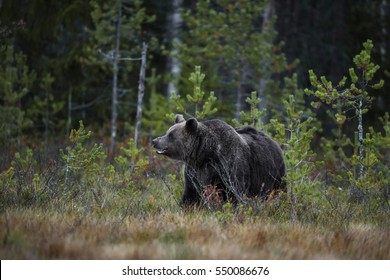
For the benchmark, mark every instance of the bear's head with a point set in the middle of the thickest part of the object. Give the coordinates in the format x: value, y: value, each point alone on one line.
x: 178, y: 140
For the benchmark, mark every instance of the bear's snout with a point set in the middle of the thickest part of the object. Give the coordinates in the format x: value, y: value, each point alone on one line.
x: 160, y: 147
x: 154, y: 142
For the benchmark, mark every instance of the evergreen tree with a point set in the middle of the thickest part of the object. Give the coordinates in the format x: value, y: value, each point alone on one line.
x: 16, y: 80
x: 363, y: 167
x: 233, y: 41
x: 353, y: 99
x: 155, y: 121
x: 45, y: 108
x: 117, y: 35
x: 197, y: 104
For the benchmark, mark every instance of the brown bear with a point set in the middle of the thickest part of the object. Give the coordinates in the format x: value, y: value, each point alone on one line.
x: 241, y: 162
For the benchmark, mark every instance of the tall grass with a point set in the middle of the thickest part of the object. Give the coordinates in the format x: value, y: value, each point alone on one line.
x: 149, y: 224
x: 175, y: 234
x: 77, y: 205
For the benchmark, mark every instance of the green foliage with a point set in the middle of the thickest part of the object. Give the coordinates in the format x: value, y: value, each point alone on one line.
x: 80, y: 162
x: 294, y: 128
x: 46, y: 106
x: 291, y: 88
x: 131, y: 165
x: 82, y: 177
x: 349, y: 102
x: 155, y: 120
x: 234, y: 43
x: 296, y: 132
x: 229, y: 213
x: 155, y: 116
x: 299, y: 133
x: 341, y: 98
x: 226, y: 213
x: 21, y: 183
x: 234, y: 47
x: 254, y: 116
x: 106, y: 15
x: 16, y: 80
x: 113, y: 49
x: 198, y: 104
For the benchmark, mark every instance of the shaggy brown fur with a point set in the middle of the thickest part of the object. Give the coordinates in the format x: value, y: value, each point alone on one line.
x: 242, y: 162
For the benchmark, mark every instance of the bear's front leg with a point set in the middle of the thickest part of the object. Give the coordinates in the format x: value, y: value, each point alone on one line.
x: 191, y: 195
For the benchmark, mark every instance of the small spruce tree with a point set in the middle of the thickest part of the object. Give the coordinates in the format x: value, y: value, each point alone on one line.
x: 16, y: 80
x: 198, y: 104
x: 348, y: 100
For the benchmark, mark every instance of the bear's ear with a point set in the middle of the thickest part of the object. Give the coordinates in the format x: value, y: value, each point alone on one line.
x: 191, y: 125
x: 179, y: 118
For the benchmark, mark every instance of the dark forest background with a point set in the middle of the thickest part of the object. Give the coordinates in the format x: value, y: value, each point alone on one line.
x: 86, y: 85
x: 55, y: 68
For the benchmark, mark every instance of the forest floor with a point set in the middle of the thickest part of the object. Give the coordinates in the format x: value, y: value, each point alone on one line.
x: 74, y: 234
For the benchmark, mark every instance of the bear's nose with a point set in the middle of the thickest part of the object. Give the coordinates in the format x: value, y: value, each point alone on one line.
x: 154, y: 142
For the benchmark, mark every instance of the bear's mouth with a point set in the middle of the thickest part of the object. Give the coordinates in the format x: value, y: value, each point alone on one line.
x: 161, y: 151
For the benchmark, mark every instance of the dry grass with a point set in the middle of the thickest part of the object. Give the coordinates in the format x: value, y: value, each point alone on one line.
x: 105, y: 213
x: 38, y: 234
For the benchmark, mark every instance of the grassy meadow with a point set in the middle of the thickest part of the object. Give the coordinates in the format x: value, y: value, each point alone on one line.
x: 72, y: 199
x: 107, y: 222
x: 49, y: 234
x: 75, y: 203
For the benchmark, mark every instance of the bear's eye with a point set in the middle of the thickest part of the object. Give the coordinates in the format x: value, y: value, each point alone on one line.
x: 170, y: 135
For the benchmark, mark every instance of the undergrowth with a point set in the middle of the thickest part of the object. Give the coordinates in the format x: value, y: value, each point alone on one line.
x: 82, y: 179
x: 76, y: 202
x: 128, y: 209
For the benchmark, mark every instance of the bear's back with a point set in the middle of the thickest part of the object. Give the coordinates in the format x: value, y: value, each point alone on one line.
x: 221, y: 131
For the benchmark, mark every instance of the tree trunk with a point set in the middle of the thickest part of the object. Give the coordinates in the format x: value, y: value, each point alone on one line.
x: 239, y: 99
x: 175, y: 22
x: 114, y: 104
x: 47, y: 108
x: 141, y: 88
x: 267, y: 16
x: 291, y: 184
x: 383, y: 43
x: 69, y: 123
x: 360, y: 137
